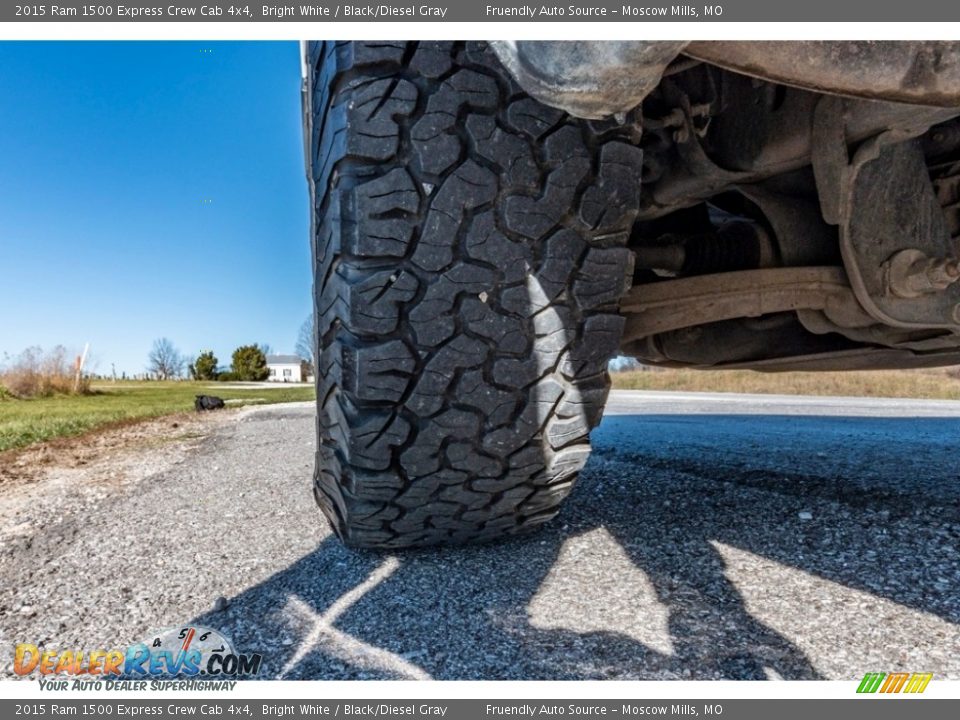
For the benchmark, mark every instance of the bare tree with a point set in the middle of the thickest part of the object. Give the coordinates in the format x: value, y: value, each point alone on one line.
x: 305, y: 345
x: 164, y: 360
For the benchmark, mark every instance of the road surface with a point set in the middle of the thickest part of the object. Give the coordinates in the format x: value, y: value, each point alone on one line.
x: 710, y: 536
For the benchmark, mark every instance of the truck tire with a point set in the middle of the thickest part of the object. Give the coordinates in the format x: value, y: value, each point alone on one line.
x: 469, y: 256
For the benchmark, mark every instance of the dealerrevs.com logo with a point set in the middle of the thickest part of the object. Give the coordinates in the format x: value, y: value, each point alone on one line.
x: 898, y: 682
x: 182, y: 651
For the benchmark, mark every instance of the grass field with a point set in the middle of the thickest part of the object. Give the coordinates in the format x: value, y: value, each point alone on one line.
x: 928, y: 384
x: 23, y: 422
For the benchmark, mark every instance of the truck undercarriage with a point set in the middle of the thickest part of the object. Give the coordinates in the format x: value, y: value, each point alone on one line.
x: 800, y: 202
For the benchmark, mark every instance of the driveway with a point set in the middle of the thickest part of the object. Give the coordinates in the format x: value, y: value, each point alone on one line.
x: 710, y: 536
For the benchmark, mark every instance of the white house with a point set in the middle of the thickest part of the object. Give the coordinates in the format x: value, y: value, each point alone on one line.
x: 284, y: 368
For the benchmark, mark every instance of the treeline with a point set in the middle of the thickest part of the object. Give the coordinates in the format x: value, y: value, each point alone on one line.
x: 248, y: 363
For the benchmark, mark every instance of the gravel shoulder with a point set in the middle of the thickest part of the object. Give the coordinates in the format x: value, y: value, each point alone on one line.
x: 68, y: 476
x: 709, y: 537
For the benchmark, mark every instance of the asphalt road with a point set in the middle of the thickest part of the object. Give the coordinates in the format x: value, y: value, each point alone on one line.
x: 710, y: 536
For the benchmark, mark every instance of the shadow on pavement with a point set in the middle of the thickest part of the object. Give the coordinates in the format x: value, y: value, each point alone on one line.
x: 631, y: 581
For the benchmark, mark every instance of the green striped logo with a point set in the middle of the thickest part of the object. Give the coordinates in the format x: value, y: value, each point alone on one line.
x: 894, y: 682
x: 871, y: 682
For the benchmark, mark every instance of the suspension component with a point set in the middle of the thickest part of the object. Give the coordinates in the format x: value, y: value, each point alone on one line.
x: 911, y: 273
x: 735, y: 245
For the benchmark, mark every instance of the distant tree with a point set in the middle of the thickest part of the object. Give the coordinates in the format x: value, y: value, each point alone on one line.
x: 265, y: 348
x: 304, y: 347
x: 249, y: 363
x: 204, y: 367
x: 164, y: 360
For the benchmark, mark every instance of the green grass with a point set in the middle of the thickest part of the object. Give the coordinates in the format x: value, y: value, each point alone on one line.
x: 24, y: 422
x: 925, y: 384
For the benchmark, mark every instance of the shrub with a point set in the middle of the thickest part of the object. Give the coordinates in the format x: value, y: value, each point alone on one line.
x: 204, y: 367
x: 228, y: 377
x: 35, y: 373
x: 250, y: 363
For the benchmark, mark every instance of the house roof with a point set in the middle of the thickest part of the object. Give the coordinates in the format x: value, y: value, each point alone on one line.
x: 283, y: 360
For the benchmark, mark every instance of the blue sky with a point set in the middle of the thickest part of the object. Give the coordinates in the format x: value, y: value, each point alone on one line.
x: 148, y: 190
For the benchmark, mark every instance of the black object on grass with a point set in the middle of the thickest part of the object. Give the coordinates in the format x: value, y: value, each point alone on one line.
x: 208, y: 402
